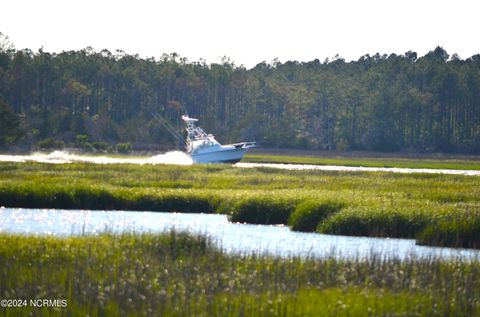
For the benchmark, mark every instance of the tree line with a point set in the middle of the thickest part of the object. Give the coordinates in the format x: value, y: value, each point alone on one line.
x: 380, y: 102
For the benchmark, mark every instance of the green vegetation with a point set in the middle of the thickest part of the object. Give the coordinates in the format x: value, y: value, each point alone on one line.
x: 51, y: 144
x: 382, y: 221
x: 175, y: 274
x: 263, y: 208
x: 9, y: 124
x: 124, y: 148
x: 403, y: 102
x: 371, y: 161
x: 460, y: 232
x: 366, y: 204
x: 310, y: 213
x: 83, y: 144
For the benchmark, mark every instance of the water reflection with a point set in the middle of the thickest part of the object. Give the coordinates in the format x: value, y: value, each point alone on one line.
x: 232, y: 237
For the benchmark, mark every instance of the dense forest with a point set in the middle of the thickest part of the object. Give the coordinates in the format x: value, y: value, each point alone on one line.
x: 386, y: 103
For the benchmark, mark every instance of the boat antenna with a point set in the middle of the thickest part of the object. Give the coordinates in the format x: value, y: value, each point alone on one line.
x: 185, y: 109
x: 169, y: 128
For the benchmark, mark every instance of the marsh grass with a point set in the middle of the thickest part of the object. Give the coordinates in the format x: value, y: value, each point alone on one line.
x: 265, y: 209
x: 177, y: 274
x: 372, y: 204
x: 380, y: 222
x: 309, y: 214
x: 454, y: 231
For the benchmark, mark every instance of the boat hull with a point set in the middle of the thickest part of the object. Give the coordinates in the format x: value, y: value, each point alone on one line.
x: 229, y: 155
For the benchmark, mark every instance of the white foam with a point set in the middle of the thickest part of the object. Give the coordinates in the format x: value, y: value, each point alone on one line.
x: 59, y: 157
x: 181, y: 158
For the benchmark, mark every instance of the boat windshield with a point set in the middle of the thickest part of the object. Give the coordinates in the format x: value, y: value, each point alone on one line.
x: 209, y: 142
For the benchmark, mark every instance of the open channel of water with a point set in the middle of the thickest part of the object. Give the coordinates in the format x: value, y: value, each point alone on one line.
x: 232, y: 237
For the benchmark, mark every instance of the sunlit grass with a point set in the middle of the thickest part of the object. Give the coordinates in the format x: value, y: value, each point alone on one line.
x: 176, y: 274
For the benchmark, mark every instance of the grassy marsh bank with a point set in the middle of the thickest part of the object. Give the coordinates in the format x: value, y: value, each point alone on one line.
x: 175, y: 274
x: 367, y: 204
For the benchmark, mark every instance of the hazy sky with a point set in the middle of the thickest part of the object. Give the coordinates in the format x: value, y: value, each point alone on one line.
x: 247, y: 31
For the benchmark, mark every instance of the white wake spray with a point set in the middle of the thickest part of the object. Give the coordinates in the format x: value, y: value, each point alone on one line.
x: 59, y: 157
x: 181, y: 158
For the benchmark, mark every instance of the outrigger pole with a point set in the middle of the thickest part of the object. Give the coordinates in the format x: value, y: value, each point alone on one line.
x: 169, y: 128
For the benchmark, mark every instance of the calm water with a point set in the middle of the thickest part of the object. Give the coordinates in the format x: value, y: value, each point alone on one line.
x: 302, y: 167
x: 232, y: 237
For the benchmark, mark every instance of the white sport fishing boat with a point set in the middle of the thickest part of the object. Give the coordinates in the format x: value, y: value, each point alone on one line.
x: 203, y: 148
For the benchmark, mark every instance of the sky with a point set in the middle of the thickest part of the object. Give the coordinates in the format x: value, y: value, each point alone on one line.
x: 246, y: 31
